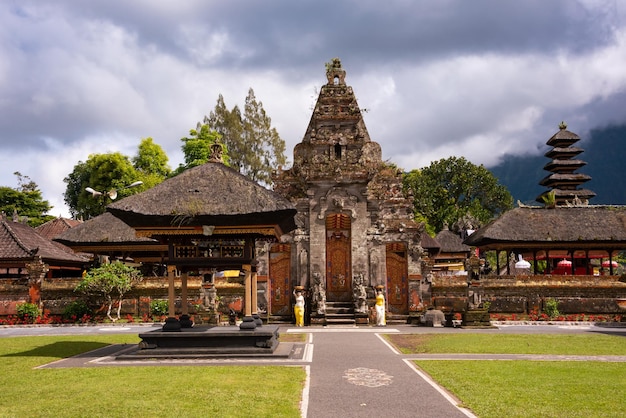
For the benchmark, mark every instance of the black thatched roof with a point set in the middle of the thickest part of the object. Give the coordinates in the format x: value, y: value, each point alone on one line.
x: 429, y: 243
x: 451, y: 242
x: 561, y: 227
x: 104, y: 228
x: 210, y: 194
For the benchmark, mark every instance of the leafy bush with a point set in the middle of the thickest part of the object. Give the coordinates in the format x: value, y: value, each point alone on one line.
x: 159, y: 307
x: 76, y: 311
x: 28, y: 312
x: 551, y: 308
x: 110, y: 282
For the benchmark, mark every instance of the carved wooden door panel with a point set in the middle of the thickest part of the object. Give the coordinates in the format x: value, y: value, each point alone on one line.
x: 338, y: 259
x: 397, y: 279
x: 280, y: 288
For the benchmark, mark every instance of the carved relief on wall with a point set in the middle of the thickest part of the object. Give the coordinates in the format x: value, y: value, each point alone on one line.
x: 337, y: 200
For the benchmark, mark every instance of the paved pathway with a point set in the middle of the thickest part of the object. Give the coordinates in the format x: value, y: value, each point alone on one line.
x: 354, y: 373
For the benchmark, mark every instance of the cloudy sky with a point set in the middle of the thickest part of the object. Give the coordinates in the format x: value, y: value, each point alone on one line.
x: 477, y: 79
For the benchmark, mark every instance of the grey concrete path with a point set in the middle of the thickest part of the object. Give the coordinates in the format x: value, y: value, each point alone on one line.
x: 354, y: 373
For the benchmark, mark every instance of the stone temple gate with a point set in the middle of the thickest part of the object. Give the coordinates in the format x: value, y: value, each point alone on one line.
x: 355, y: 227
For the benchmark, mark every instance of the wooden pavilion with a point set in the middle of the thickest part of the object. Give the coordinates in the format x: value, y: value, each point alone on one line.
x: 576, y: 234
x: 106, y: 235
x: 209, y: 217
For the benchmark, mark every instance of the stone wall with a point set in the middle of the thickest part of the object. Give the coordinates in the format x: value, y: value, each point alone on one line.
x: 57, y: 293
x: 523, y: 294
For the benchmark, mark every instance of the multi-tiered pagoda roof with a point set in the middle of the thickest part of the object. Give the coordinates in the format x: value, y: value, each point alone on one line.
x: 564, y: 181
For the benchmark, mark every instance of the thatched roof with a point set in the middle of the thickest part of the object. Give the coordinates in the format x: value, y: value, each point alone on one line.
x: 561, y: 227
x: 104, y: 228
x: 19, y: 241
x: 451, y: 242
x: 210, y: 194
x: 429, y: 243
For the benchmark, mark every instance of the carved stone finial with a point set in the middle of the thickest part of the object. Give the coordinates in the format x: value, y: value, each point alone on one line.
x: 334, y: 73
x: 216, y: 153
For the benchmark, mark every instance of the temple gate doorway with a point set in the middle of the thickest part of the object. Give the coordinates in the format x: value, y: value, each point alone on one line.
x: 397, y: 282
x: 279, y: 273
x: 338, y: 258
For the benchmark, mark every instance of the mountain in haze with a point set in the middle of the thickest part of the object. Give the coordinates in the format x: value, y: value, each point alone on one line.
x: 605, y: 154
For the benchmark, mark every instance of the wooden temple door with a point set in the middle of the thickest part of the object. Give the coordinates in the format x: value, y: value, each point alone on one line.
x: 397, y: 279
x: 338, y: 258
x: 279, y: 274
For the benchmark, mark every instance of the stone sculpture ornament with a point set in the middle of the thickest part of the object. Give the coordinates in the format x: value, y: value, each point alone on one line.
x: 298, y: 308
x: 380, y: 307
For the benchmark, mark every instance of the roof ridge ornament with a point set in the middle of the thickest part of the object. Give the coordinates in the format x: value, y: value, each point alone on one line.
x: 562, y: 125
x: 334, y: 73
x: 216, y: 153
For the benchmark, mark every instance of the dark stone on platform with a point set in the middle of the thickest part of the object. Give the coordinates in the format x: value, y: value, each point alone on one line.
x: 206, y: 341
x: 247, y: 323
x: 171, y: 324
x: 185, y: 321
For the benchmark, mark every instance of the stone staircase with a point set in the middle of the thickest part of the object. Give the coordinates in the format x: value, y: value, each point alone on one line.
x: 340, y: 313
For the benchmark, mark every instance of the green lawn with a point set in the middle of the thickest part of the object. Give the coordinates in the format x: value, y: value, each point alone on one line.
x: 566, y: 344
x: 493, y: 388
x: 182, y: 391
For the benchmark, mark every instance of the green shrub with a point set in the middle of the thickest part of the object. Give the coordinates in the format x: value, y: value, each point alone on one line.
x: 77, y: 310
x: 551, y: 308
x: 159, y: 307
x: 28, y: 312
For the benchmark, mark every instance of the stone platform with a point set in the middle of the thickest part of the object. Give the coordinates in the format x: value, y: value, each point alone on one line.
x: 206, y: 342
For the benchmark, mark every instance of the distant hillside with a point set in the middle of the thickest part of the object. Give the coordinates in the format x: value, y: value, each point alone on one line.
x: 605, y: 154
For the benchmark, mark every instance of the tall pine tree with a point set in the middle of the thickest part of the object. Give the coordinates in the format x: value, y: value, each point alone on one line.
x: 255, y: 148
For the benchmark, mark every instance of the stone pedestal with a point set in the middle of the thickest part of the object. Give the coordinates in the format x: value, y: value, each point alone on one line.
x: 206, y: 342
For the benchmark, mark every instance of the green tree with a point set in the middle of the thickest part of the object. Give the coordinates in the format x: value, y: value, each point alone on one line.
x: 453, y: 189
x: 197, y: 147
x: 151, y: 163
x: 26, y: 201
x: 151, y: 159
x: 110, y: 282
x: 101, y: 172
x: 255, y: 148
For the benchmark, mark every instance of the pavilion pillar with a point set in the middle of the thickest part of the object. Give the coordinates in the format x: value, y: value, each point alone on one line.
x: 508, y: 262
x: 610, y: 262
x: 183, y: 294
x: 248, y: 321
x: 535, y: 262
x: 185, y: 320
x: 498, y: 262
x: 171, y: 295
x: 254, y: 307
x: 171, y: 323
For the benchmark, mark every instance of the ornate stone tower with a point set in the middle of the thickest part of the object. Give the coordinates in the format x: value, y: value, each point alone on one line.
x: 563, y: 181
x: 355, y: 227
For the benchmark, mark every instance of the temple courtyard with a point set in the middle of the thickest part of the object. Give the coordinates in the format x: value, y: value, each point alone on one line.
x: 394, y: 373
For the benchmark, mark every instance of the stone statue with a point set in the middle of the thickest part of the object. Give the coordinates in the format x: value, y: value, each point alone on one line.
x: 298, y: 308
x: 319, y: 293
x: 359, y: 293
x: 380, y: 307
